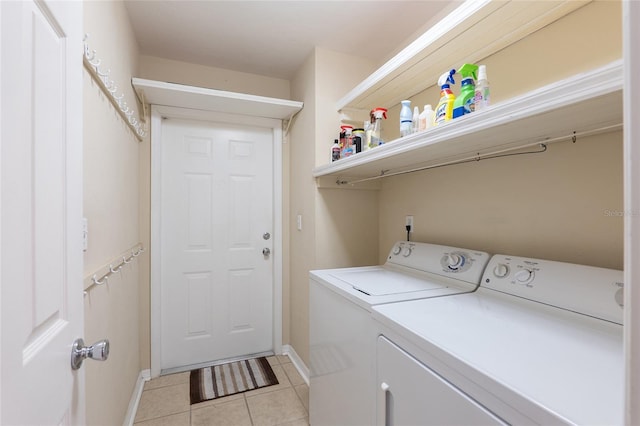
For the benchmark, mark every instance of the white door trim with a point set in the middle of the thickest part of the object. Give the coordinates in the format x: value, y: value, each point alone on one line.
x: 631, y: 43
x: 157, y: 112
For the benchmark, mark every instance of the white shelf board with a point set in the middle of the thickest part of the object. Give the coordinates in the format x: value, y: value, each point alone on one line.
x: 586, y: 103
x: 472, y: 32
x: 183, y: 96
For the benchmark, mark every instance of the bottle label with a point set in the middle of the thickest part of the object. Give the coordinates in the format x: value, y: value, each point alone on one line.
x: 441, y: 112
x: 335, y: 153
x: 406, y: 127
x: 470, y: 105
x: 481, y: 98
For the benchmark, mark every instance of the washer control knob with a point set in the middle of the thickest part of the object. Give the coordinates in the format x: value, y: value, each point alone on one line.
x: 406, y: 252
x: 619, y: 297
x: 397, y: 249
x: 454, y: 261
x: 501, y: 270
x: 524, y: 276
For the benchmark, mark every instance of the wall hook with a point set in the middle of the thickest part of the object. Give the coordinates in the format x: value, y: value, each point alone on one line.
x: 97, y: 282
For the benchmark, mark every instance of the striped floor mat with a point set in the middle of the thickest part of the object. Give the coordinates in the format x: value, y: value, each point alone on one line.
x: 230, y: 378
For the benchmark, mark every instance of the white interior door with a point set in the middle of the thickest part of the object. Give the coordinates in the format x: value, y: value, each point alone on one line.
x: 41, y: 207
x: 216, y: 220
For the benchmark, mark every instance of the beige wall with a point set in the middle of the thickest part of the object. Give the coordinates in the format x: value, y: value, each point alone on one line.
x: 552, y: 205
x: 302, y: 243
x: 344, y: 219
x: 161, y: 69
x: 323, y: 240
x: 111, y: 207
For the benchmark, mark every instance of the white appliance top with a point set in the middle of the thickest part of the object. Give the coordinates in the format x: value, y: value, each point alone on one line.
x: 412, y: 271
x: 544, y: 337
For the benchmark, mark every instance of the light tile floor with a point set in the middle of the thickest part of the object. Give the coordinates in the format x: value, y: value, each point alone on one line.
x: 165, y: 402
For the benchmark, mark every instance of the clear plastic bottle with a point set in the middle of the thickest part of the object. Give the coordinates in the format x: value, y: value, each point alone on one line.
x: 378, y: 114
x: 406, y: 118
x: 415, y: 119
x: 481, y: 96
x: 368, y: 128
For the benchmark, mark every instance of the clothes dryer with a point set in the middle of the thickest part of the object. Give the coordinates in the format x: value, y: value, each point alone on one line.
x: 539, y: 342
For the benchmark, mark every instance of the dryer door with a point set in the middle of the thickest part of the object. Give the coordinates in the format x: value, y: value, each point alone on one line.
x: 410, y: 393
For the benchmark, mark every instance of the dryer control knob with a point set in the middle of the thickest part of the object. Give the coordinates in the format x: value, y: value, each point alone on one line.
x: 397, y: 249
x: 501, y: 270
x: 455, y: 261
x: 524, y: 276
x: 407, y: 252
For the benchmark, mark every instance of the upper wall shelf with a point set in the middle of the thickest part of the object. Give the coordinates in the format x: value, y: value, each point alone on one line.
x: 179, y: 95
x: 587, y: 103
x: 472, y: 32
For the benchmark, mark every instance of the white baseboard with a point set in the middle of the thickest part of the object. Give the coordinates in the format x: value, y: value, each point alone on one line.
x: 144, y: 376
x: 297, y: 362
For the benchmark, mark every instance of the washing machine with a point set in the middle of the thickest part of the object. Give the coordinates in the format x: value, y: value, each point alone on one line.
x: 343, y: 334
x: 539, y: 342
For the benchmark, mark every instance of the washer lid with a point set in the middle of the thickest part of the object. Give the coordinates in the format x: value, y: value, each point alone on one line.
x: 380, y: 281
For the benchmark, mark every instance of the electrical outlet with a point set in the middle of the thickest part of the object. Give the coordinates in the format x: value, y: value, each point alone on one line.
x: 409, y: 222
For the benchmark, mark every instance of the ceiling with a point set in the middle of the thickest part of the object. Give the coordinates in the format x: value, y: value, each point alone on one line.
x: 273, y: 38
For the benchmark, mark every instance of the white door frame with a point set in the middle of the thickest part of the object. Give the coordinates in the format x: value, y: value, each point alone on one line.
x: 157, y: 114
x: 631, y: 44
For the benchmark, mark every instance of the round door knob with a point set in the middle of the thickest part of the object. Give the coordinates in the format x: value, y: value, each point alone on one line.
x: 266, y: 251
x: 99, y: 351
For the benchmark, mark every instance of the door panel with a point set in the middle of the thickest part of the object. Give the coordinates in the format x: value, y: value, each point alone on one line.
x: 410, y: 393
x: 41, y: 255
x: 216, y: 203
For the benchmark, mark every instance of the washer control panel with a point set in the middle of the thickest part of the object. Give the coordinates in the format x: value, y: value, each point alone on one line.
x: 593, y: 291
x: 460, y: 263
